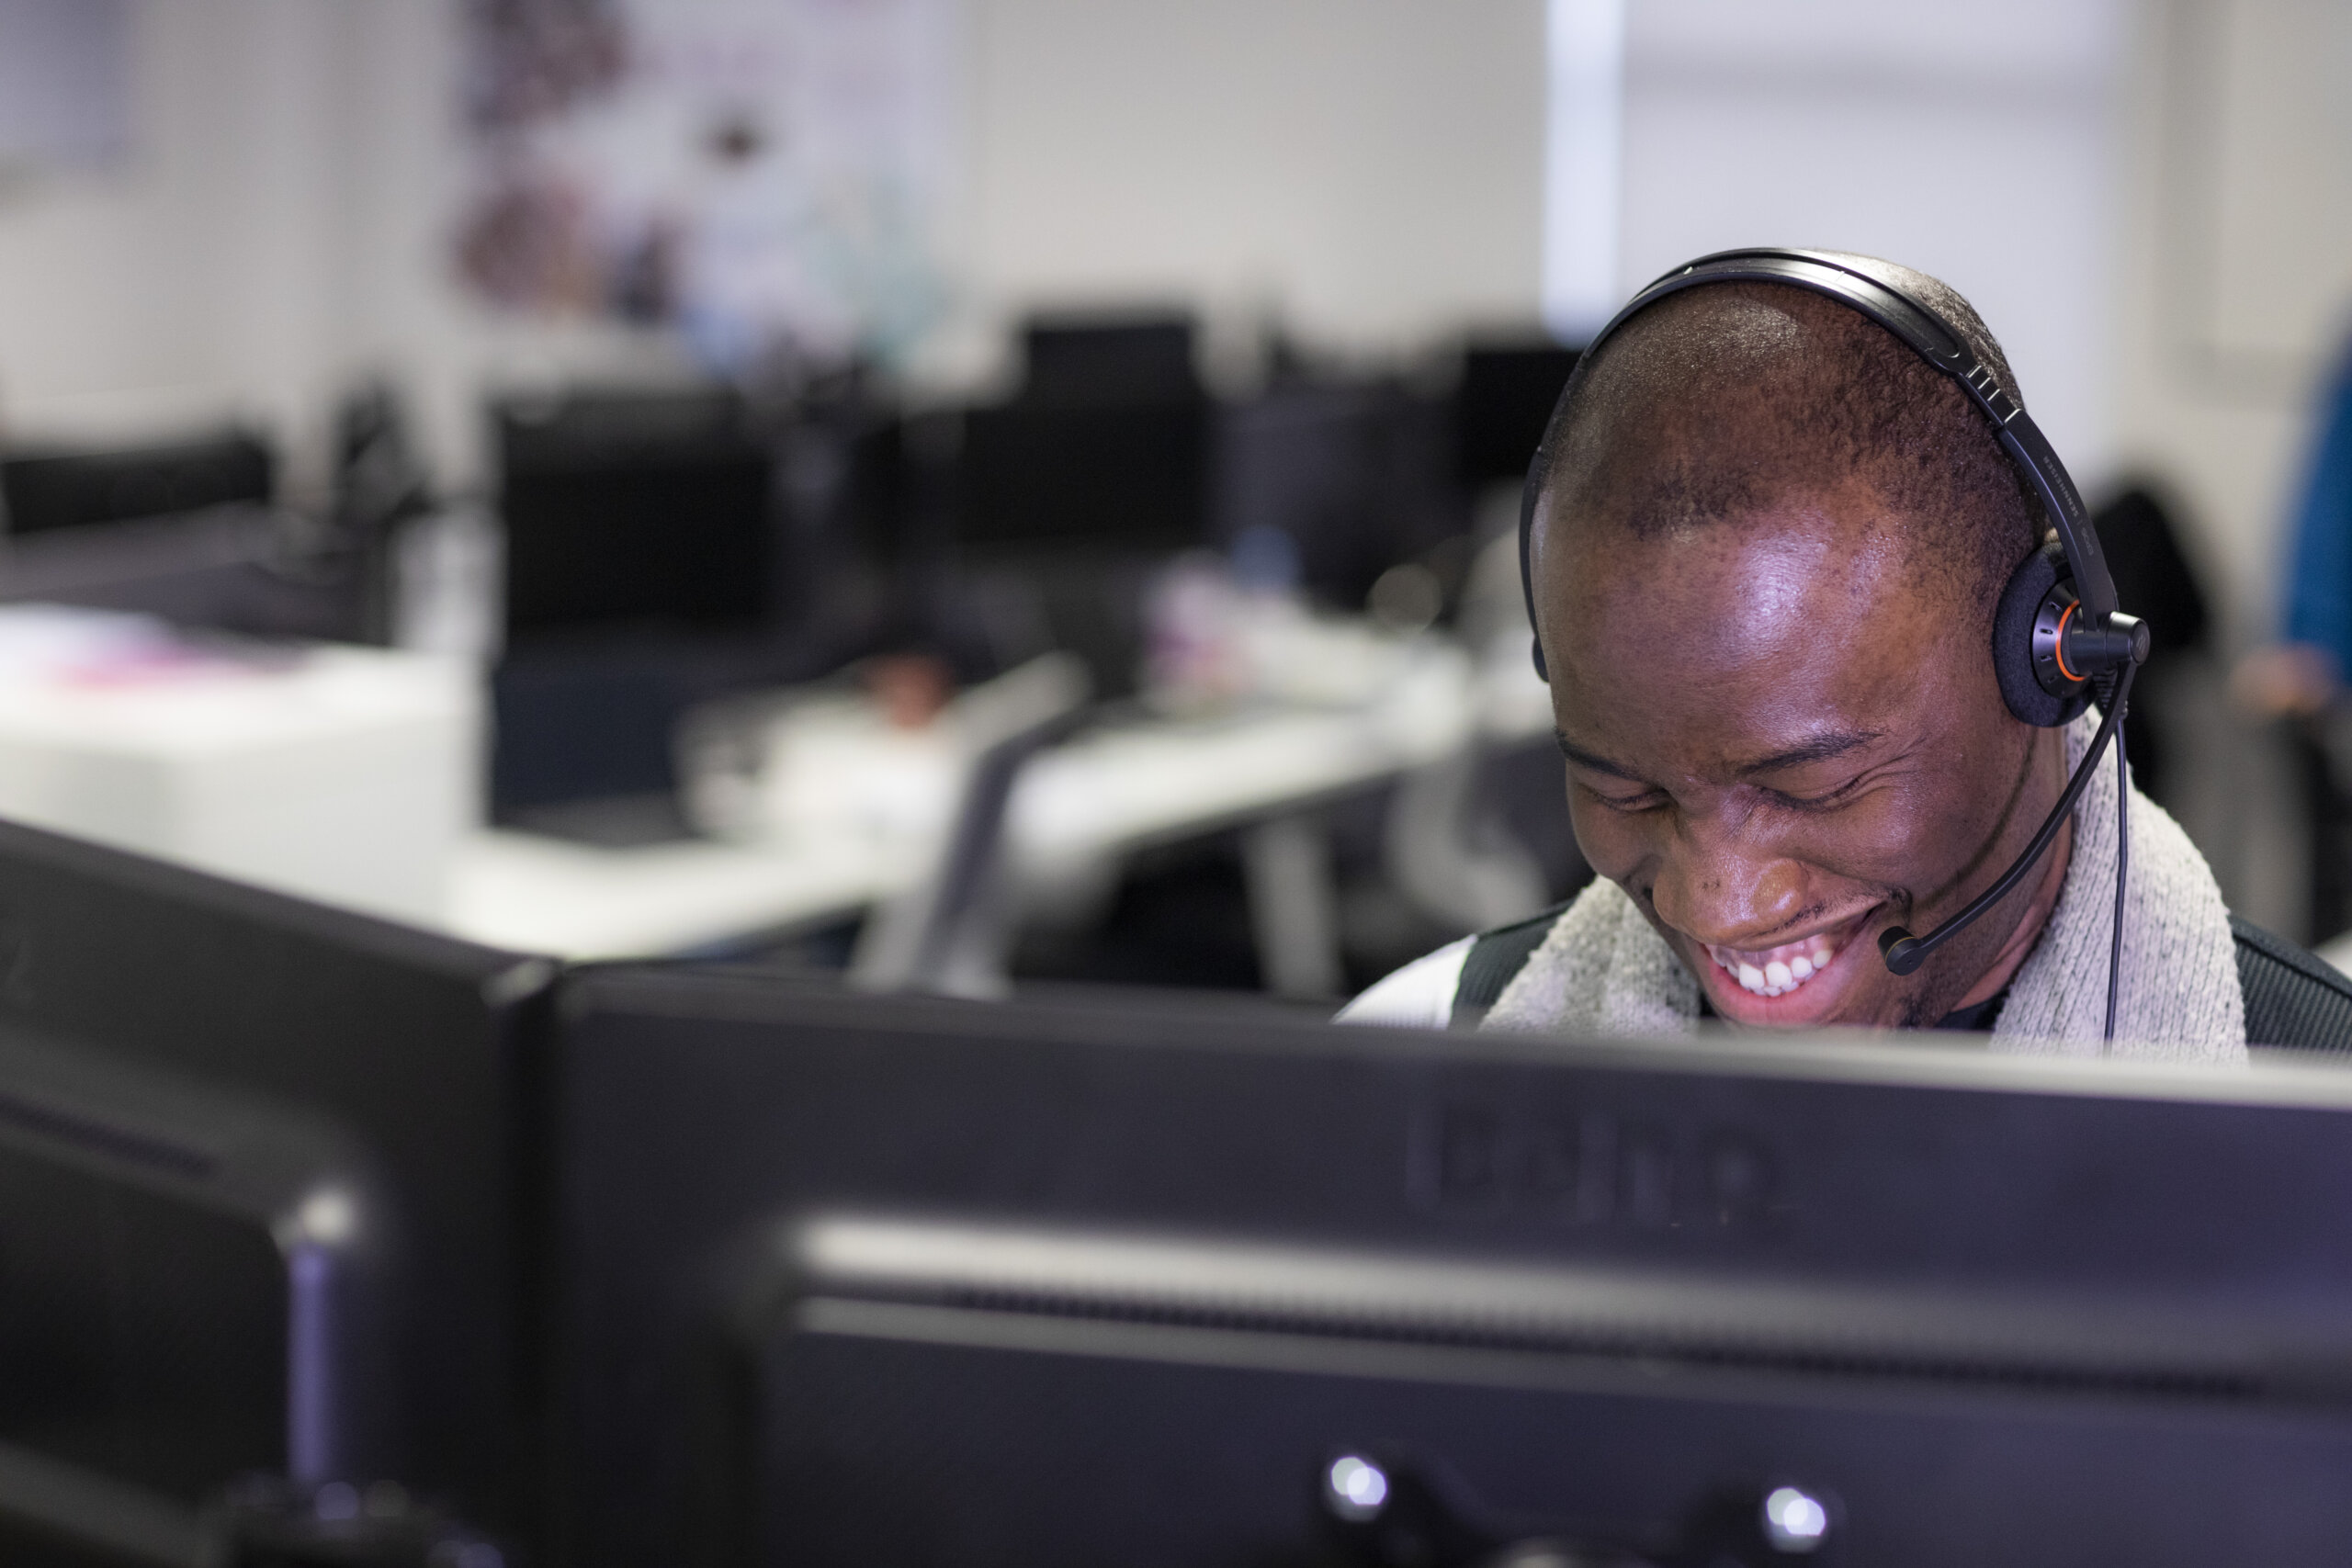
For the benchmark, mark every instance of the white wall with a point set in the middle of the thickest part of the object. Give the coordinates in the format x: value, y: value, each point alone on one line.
x: 2150, y: 202
x: 1972, y: 142
x: 185, y: 281
x: 1371, y: 169
x: 2233, y: 289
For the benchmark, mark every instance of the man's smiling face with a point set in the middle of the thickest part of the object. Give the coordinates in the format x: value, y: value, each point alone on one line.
x: 1783, y: 737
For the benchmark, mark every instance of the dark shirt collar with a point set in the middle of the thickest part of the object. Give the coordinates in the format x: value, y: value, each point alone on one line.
x: 1980, y: 1017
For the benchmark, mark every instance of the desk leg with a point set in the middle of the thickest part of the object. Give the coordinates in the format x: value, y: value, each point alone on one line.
x: 1294, y: 911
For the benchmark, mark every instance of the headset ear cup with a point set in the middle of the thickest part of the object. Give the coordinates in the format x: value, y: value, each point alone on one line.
x: 2013, y: 642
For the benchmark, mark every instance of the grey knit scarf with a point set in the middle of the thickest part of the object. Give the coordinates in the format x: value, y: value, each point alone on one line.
x: 1603, y: 970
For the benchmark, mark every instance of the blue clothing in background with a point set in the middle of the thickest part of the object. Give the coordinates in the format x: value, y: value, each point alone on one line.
x: 2319, y: 581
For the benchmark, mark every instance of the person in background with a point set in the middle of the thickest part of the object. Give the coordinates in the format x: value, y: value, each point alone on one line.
x: 2299, y: 680
x: 2141, y: 542
x: 1767, y: 541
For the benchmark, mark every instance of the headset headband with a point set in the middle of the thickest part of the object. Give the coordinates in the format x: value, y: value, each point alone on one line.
x: 2031, y: 626
x: 1928, y: 336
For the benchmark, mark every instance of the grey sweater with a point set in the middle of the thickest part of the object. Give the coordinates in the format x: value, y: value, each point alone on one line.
x: 1601, y: 968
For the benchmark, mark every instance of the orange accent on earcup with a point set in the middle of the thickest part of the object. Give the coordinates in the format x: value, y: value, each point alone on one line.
x: 2058, y: 644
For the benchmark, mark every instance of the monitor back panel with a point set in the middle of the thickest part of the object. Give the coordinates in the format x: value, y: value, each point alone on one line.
x: 673, y: 540
x: 196, y: 1285
x: 1138, y: 358
x: 1730, y: 1262
x: 623, y: 510
x: 417, y: 1045
x: 1112, y: 476
x: 1502, y: 405
x: 987, y: 1437
x: 43, y: 491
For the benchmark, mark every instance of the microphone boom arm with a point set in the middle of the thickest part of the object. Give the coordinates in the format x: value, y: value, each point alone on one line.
x: 1905, y: 953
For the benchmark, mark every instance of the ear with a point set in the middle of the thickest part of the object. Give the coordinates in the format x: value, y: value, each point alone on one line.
x: 2033, y: 585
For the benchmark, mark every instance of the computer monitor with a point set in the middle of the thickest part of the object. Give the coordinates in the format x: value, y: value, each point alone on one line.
x: 47, y: 489
x: 1355, y: 474
x: 1502, y: 404
x: 404, y: 1055
x: 1105, y: 446
x: 634, y: 511
x: 859, y: 1281
x: 1143, y: 355
x: 1043, y: 478
x: 194, y: 1292
x: 1062, y: 516
x: 643, y: 573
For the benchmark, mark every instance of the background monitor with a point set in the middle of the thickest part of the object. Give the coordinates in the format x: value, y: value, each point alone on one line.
x: 414, y: 1048
x: 44, y: 491
x: 1110, y: 477
x: 1104, y: 446
x: 851, y: 1281
x: 629, y: 509
x: 643, y: 573
x: 1354, y: 474
x: 1147, y: 356
x: 1502, y: 404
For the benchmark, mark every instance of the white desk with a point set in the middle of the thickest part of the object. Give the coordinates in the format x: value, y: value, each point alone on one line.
x: 344, y: 774
x: 1093, y: 801
x: 1119, y: 789
x: 537, y: 894
x: 1104, y: 795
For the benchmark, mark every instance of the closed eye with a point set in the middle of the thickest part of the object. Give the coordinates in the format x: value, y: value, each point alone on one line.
x: 1827, y: 801
x: 1645, y: 800
x: 1581, y: 762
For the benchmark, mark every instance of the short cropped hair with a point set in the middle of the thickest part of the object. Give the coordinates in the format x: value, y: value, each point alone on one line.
x: 1727, y: 399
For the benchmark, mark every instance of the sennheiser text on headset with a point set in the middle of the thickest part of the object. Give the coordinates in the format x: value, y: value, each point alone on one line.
x: 2057, y: 633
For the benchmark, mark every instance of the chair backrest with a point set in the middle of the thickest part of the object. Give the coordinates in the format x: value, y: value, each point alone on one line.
x: 945, y: 935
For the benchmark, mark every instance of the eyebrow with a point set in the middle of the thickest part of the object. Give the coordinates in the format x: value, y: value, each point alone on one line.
x: 1820, y: 749
x: 1597, y: 763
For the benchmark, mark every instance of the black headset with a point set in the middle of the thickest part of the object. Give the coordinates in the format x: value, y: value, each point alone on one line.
x: 2057, y: 633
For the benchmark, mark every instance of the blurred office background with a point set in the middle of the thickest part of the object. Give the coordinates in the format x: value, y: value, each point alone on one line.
x: 974, y: 492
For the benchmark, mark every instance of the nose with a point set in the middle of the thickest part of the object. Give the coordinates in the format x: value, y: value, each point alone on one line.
x: 1717, y: 890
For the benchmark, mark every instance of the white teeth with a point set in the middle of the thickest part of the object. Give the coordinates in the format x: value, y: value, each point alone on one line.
x: 1778, y: 973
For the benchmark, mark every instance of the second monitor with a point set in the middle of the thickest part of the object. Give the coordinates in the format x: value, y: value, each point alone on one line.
x: 633, y: 511
x: 851, y: 1281
x: 1105, y: 446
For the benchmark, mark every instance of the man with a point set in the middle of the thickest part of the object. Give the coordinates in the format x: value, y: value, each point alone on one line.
x: 1767, y: 545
